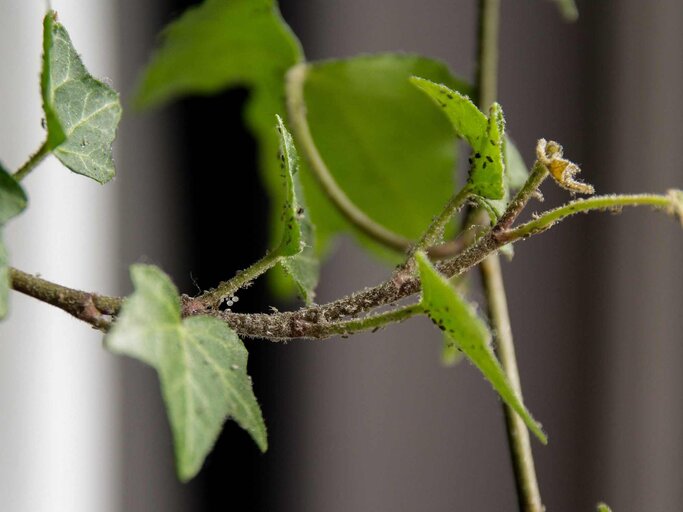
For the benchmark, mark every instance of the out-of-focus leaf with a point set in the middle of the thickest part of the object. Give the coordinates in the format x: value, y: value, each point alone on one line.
x: 459, y: 320
x: 12, y: 202
x: 221, y: 44
x: 81, y: 113
x: 201, y: 365
x: 12, y: 197
x: 602, y: 507
x: 390, y: 152
x: 516, y: 170
x: 568, y: 9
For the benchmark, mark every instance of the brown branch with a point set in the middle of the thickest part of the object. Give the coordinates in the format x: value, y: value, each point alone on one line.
x: 318, y: 321
x: 97, y: 310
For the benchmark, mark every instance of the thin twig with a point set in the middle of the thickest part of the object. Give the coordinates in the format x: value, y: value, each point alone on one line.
x: 612, y: 203
x: 32, y: 162
x: 528, y: 492
x: 435, y: 230
x: 228, y: 288
x: 94, y: 309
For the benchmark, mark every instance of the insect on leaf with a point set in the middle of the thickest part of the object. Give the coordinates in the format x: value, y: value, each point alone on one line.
x: 484, y: 134
x: 459, y: 320
x: 298, y: 244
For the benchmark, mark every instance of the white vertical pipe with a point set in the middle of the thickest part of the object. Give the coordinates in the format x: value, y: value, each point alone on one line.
x: 58, y: 388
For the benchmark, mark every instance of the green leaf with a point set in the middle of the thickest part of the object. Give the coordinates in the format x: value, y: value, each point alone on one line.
x: 516, y: 174
x: 13, y: 199
x: 469, y: 122
x: 484, y: 135
x: 298, y: 237
x: 516, y: 170
x: 222, y: 44
x: 387, y: 148
x: 602, y: 507
x: 459, y: 320
x: 201, y: 365
x: 568, y: 9
x: 12, y: 202
x: 81, y: 113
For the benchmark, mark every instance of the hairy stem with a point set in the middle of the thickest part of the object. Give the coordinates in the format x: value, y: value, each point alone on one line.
x: 32, y: 162
x: 492, y: 277
x: 285, y: 326
x: 89, y: 307
x: 604, y: 203
x: 228, y: 288
x: 435, y: 230
x: 537, y: 176
x: 306, y: 322
x: 528, y: 492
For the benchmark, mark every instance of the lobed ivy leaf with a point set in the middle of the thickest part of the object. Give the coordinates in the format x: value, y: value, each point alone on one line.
x: 201, y: 365
x: 12, y: 202
x: 81, y: 113
x: 484, y: 134
x: 298, y: 237
x: 391, y: 153
x: 459, y: 320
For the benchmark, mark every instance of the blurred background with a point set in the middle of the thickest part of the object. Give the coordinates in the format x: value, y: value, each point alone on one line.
x: 373, y: 423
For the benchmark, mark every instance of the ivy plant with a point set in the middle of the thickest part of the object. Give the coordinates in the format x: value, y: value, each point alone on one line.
x: 378, y: 138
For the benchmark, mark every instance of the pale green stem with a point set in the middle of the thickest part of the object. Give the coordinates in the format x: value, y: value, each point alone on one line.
x: 528, y: 493
x: 537, y: 176
x: 32, y: 162
x: 296, y: 107
x: 374, y: 321
x: 241, y: 279
x: 435, y: 230
x: 612, y: 202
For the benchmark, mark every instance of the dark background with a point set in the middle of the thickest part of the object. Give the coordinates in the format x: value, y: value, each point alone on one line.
x: 374, y: 423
